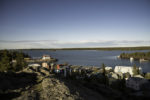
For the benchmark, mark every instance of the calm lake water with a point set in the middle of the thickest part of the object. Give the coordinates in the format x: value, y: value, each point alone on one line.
x: 90, y: 57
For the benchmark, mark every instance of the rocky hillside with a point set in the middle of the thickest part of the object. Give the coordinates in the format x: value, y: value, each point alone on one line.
x: 36, y: 83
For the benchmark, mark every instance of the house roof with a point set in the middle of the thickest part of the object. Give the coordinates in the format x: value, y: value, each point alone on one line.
x: 46, y: 55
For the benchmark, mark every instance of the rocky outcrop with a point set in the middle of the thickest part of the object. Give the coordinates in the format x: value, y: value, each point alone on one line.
x: 53, y: 89
x: 47, y: 88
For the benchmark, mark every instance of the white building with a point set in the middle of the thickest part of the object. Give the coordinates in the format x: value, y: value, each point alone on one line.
x: 135, y: 82
x: 45, y: 65
x: 125, y: 69
x: 108, y: 68
x: 34, y: 65
x: 46, y: 57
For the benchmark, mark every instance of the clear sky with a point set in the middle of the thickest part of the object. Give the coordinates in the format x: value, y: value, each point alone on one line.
x: 74, y: 23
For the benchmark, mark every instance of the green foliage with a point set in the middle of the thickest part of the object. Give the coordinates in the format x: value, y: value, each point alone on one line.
x: 105, y: 78
x: 127, y: 75
x: 6, y: 58
x: 147, y: 76
x: 20, y: 61
x: 103, y: 69
x: 5, y: 61
x: 136, y: 70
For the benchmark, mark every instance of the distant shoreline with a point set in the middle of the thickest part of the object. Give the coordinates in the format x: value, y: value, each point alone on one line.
x: 102, y: 48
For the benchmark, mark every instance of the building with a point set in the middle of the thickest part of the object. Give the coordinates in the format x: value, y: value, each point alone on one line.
x: 135, y: 82
x: 108, y: 68
x: 34, y: 65
x: 46, y: 57
x: 143, y: 60
x: 125, y: 69
x: 45, y: 65
x: 57, y: 69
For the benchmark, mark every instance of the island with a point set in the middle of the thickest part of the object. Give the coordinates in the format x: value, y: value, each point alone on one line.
x: 141, y: 56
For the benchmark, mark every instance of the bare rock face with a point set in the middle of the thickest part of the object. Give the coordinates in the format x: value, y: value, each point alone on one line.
x: 53, y: 89
x: 50, y: 89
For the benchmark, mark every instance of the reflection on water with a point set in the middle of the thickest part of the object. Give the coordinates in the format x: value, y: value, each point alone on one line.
x: 91, y: 57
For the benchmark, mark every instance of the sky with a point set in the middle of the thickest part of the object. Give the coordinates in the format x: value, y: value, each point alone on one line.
x: 74, y: 23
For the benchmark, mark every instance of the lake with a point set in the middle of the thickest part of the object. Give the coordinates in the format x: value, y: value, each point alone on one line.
x: 90, y: 57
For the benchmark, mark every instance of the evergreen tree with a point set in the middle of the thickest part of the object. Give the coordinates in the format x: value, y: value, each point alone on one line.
x: 138, y: 71
x: 105, y: 78
x: 20, y: 61
x: 135, y: 70
x: 103, y: 69
x: 5, y: 64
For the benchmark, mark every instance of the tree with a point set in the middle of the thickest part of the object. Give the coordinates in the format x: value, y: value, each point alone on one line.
x: 5, y: 64
x: 122, y: 84
x: 147, y: 76
x: 105, y: 78
x: 127, y: 75
x: 20, y: 61
x: 103, y: 69
x: 138, y: 71
x: 135, y: 70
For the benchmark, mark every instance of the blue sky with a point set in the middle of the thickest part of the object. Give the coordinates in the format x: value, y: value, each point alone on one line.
x: 74, y: 23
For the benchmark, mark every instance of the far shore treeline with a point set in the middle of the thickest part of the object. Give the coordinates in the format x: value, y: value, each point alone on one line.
x: 102, y: 48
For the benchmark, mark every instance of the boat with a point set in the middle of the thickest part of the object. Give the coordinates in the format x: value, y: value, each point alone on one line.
x: 143, y: 60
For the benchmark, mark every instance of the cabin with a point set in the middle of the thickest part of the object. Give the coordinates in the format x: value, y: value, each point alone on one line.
x: 125, y: 69
x: 136, y: 82
x: 108, y: 68
x: 45, y: 65
x: 46, y: 57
